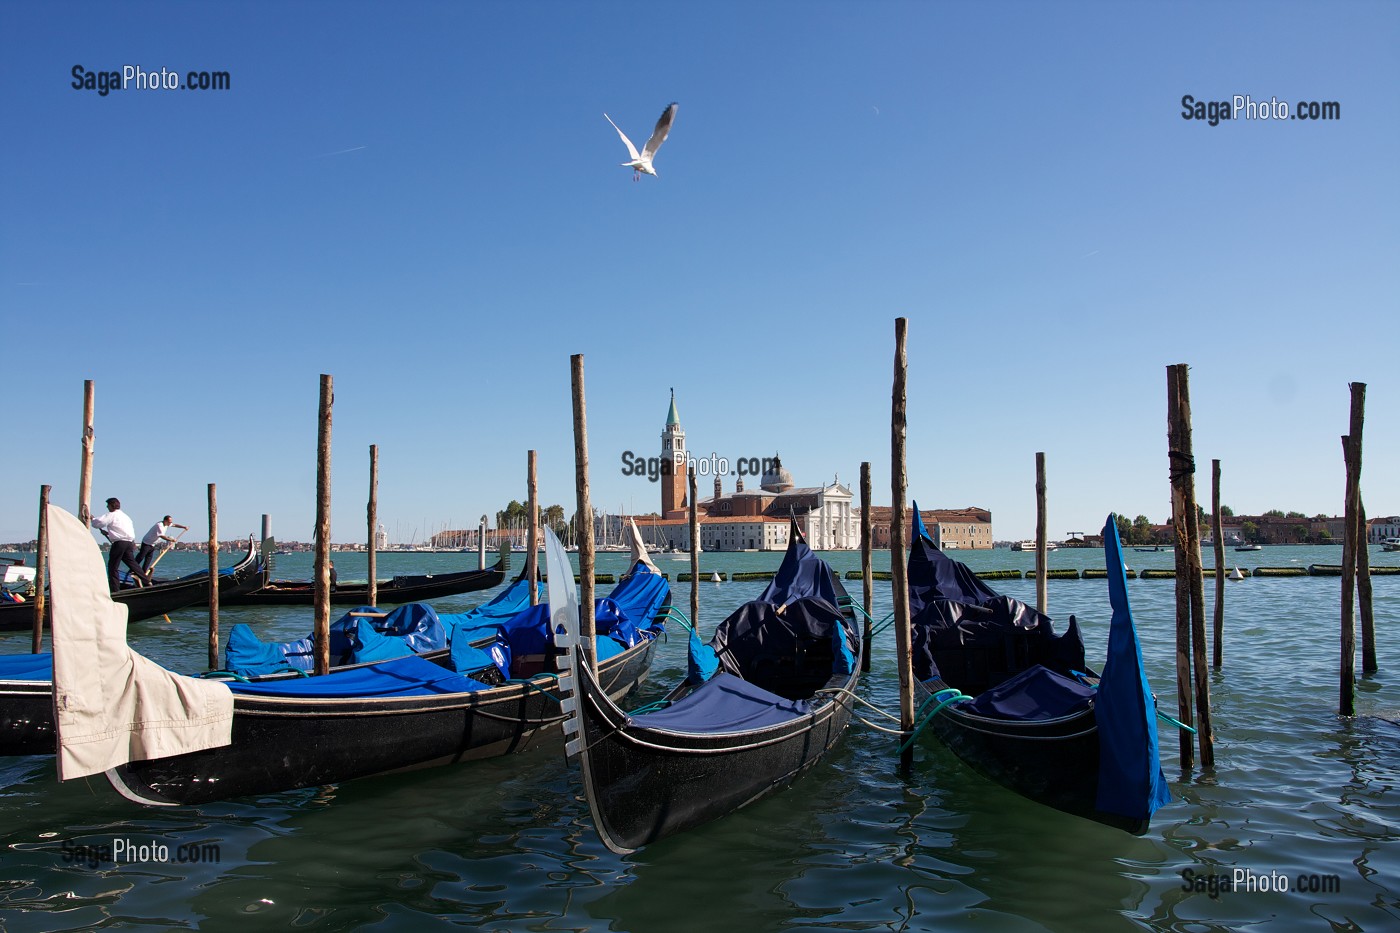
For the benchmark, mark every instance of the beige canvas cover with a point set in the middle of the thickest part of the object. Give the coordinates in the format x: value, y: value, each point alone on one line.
x: 639, y: 549
x: 112, y: 705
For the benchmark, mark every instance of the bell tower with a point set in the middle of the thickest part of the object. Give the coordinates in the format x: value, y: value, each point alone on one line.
x: 673, y: 463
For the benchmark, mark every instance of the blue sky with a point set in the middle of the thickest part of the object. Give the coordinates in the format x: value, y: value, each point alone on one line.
x: 425, y: 201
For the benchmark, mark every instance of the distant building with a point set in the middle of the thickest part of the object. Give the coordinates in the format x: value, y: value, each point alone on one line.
x: 951, y: 529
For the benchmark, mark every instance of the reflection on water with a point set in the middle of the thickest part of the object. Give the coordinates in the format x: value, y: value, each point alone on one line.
x: 508, y: 844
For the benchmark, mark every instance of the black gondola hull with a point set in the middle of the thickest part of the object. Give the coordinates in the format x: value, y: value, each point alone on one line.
x: 26, y: 718
x: 1053, y: 762
x: 282, y: 744
x: 147, y: 602
x: 394, y: 592
x: 646, y: 784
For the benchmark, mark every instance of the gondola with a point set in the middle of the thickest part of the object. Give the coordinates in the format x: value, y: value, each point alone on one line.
x: 167, y: 739
x: 780, y: 699
x: 26, y: 680
x: 147, y: 602
x: 1016, y: 702
x: 392, y: 592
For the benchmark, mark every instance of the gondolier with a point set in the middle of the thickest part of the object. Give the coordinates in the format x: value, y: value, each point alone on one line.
x: 116, y: 525
x: 159, y: 532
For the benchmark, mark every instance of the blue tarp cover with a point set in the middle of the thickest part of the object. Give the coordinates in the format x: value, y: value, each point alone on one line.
x: 725, y: 703
x: 26, y: 666
x: 1131, y: 782
x: 410, y: 676
x: 414, y: 625
x: 481, y: 622
x: 1037, y: 693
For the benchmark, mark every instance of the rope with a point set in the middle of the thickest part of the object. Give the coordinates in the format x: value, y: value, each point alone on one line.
x: 944, y: 698
x: 839, y: 691
x: 1182, y: 466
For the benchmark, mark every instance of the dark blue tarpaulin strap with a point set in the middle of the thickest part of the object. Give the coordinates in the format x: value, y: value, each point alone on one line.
x: 1131, y: 782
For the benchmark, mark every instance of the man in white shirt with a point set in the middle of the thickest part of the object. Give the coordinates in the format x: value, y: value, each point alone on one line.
x: 119, y: 530
x: 159, y: 532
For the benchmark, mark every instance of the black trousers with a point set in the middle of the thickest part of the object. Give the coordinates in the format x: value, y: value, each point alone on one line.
x: 145, y: 557
x: 123, y: 552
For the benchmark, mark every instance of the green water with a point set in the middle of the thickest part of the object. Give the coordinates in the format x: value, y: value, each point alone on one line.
x: 508, y: 845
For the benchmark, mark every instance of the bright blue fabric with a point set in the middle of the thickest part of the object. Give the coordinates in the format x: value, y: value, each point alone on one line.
x: 37, y: 667
x: 368, y: 644
x: 414, y: 625
x: 482, y: 621
x: 724, y: 703
x: 410, y: 676
x: 1131, y: 782
x: 1035, y: 694
x: 701, y: 661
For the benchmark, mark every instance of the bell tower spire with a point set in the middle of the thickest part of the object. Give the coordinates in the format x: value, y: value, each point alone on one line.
x: 673, y: 462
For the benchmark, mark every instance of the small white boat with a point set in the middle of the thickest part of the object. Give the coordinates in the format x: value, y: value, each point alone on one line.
x: 1391, y: 544
x: 1250, y: 547
x: 1030, y: 546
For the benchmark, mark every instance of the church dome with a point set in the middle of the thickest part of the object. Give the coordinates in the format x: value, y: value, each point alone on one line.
x: 776, y: 478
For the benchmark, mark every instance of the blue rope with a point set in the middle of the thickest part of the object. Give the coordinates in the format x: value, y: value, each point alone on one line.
x: 944, y: 698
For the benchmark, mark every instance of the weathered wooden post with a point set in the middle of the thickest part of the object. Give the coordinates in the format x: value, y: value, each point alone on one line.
x: 1363, y: 593
x: 213, y: 579
x: 694, y: 554
x: 322, y: 613
x: 1042, y: 550
x: 41, y: 570
x: 532, y: 546
x: 372, y: 519
x: 481, y: 544
x: 85, y: 473
x: 266, y: 527
x: 1217, y: 533
x: 1190, y: 595
x: 867, y: 575
x: 586, y: 629
x: 899, y: 481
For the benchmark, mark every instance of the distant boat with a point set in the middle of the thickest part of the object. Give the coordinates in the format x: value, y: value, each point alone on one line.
x: 1391, y: 544
x: 1249, y: 547
x: 1029, y: 546
x: 1156, y: 547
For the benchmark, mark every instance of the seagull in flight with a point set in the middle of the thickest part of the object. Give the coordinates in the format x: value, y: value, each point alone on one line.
x: 642, y: 163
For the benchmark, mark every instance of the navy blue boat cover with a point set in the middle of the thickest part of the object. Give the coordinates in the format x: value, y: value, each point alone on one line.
x: 1131, y: 782
x: 723, y: 704
x: 37, y: 667
x: 403, y: 677
x: 802, y: 574
x: 1035, y: 694
x: 969, y: 635
x: 788, y: 645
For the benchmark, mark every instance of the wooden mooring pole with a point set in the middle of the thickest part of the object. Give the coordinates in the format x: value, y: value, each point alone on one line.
x: 694, y: 554
x: 41, y: 570
x: 322, y: 613
x: 1190, y: 593
x: 1363, y: 592
x: 867, y: 576
x: 899, y: 482
x: 1217, y: 534
x: 85, y: 471
x: 586, y: 629
x: 213, y: 578
x: 532, y: 546
x: 372, y: 519
x: 1042, y: 550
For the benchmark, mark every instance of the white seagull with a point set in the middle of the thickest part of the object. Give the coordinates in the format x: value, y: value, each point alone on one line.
x: 642, y: 163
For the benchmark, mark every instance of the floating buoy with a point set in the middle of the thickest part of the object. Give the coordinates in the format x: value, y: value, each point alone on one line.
x: 1236, y: 575
x: 714, y: 577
